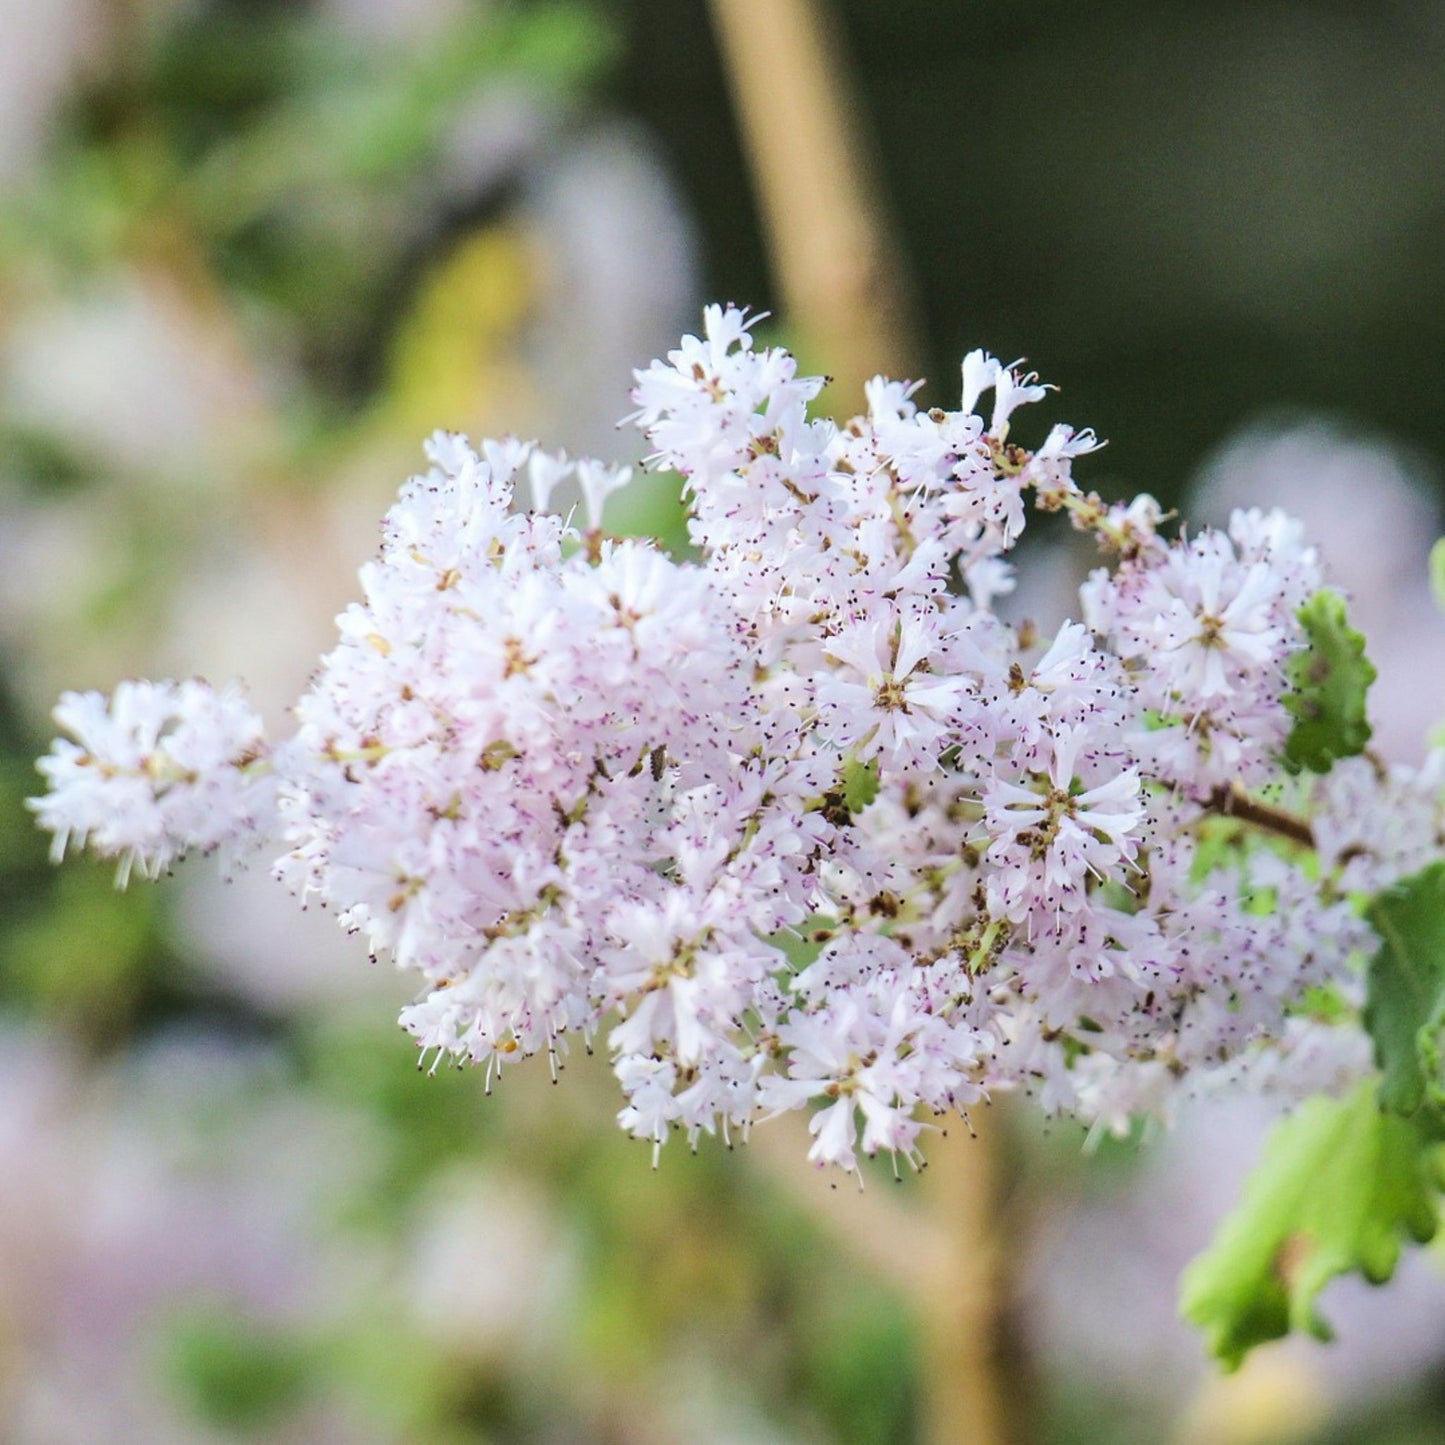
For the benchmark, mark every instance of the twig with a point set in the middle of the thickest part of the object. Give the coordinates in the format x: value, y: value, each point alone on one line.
x: 1231, y: 801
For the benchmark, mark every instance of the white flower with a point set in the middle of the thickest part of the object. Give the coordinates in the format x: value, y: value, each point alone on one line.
x: 1216, y: 623
x: 1044, y: 844
x: 886, y: 699
x: 578, y: 787
x: 155, y: 770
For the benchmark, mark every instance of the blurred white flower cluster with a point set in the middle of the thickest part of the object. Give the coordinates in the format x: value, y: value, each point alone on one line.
x: 802, y: 822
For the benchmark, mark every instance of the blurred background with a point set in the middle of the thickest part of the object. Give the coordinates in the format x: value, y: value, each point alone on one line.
x: 251, y: 253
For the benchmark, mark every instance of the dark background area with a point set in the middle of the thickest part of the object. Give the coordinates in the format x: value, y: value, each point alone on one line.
x: 1182, y: 213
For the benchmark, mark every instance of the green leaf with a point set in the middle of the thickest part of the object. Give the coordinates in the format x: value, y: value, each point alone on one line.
x: 803, y: 944
x: 1328, y: 682
x: 1339, y: 1183
x: 1437, y: 571
x: 860, y: 784
x: 1405, y: 998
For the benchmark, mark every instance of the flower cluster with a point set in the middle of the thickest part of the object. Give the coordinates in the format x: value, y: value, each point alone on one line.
x: 801, y: 823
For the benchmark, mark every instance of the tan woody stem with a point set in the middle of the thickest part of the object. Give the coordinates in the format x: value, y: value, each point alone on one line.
x: 836, y: 265
x: 840, y: 276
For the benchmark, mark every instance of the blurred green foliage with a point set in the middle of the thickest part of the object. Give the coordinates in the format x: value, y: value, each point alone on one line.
x: 293, y: 165
x: 239, y: 1375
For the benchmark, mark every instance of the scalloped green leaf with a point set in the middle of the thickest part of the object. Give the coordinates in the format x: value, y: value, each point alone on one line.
x: 1328, y: 683
x: 1437, y: 571
x: 1341, y: 1182
x: 1405, y: 998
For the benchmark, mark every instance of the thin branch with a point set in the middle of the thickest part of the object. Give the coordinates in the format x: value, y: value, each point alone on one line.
x: 1231, y: 801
